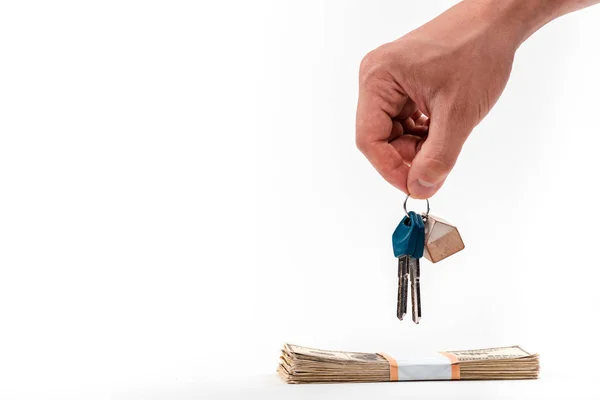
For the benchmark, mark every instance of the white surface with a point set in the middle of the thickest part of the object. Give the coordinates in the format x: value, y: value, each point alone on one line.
x: 269, y: 387
x: 180, y: 194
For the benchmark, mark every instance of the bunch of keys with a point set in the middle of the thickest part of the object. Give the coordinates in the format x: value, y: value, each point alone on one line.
x: 416, y: 236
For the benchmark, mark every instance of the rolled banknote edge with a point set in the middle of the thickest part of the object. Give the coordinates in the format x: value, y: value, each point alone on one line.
x: 510, y: 362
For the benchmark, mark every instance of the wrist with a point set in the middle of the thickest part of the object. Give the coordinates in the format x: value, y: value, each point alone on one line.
x: 516, y: 20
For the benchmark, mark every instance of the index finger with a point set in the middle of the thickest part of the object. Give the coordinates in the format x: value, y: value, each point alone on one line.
x: 373, y: 128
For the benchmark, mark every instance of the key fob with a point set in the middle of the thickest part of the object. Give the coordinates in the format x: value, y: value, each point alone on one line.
x: 441, y: 239
x: 409, y: 236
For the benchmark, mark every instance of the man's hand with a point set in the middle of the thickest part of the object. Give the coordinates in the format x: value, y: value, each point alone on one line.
x: 421, y: 95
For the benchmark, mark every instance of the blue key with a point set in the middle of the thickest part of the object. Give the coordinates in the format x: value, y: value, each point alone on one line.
x: 408, y: 241
x: 409, y: 237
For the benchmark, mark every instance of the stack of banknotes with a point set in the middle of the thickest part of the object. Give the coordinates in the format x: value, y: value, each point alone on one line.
x: 306, y: 365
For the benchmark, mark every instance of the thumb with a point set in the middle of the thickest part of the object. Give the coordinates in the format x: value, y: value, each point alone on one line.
x: 437, y: 156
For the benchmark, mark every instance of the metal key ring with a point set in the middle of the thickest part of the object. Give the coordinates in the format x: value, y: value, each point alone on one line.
x: 424, y: 215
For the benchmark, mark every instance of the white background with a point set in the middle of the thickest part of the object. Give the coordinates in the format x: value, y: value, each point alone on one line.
x: 180, y: 194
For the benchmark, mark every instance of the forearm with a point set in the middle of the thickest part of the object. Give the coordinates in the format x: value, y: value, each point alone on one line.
x: 516, y: 20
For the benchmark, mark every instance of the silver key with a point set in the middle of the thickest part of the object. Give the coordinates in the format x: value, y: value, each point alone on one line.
x: 415, y: 287
x: 403, y: 274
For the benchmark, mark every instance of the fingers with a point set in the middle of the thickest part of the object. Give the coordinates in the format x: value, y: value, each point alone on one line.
x: 373, y: 129
x: 420, y: 119
x: 407, y: 146
x: 416, y: 115
x: 411, y: 128
x: 409, y: 109
x: 414, y: 153
x: 407, y: 127
x: 437, y: 156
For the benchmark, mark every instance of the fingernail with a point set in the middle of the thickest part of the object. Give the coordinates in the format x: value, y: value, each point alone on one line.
x: 421, y: 189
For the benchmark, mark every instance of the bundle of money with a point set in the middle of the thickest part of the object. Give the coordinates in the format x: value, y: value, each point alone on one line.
x: 306, y: 365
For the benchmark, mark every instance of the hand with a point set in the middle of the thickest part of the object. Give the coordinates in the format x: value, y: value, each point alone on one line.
x: 421, y: 95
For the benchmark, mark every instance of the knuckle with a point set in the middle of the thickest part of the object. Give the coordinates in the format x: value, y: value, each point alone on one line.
x: 361, y: 143
x: 369, y: 62
x: 375, y: 64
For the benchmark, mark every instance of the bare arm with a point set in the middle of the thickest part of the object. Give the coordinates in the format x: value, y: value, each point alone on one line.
x: 421, y: 95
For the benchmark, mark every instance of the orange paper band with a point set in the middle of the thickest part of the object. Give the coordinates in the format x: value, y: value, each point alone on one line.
x: 455, y: 364
x: 393, y: 366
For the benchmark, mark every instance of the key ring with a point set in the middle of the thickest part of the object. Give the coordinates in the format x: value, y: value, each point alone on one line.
x: 423, y: 215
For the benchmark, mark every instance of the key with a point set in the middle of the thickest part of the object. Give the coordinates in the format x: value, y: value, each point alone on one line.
x: 403, y: 241
x: 415, y: 237
x: 414, y: 267
x: 408, y: 243
x: 415, y: 288
x: 403, y: 276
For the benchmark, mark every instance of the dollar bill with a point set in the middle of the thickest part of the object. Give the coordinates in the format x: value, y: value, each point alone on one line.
x: 299, y: 364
